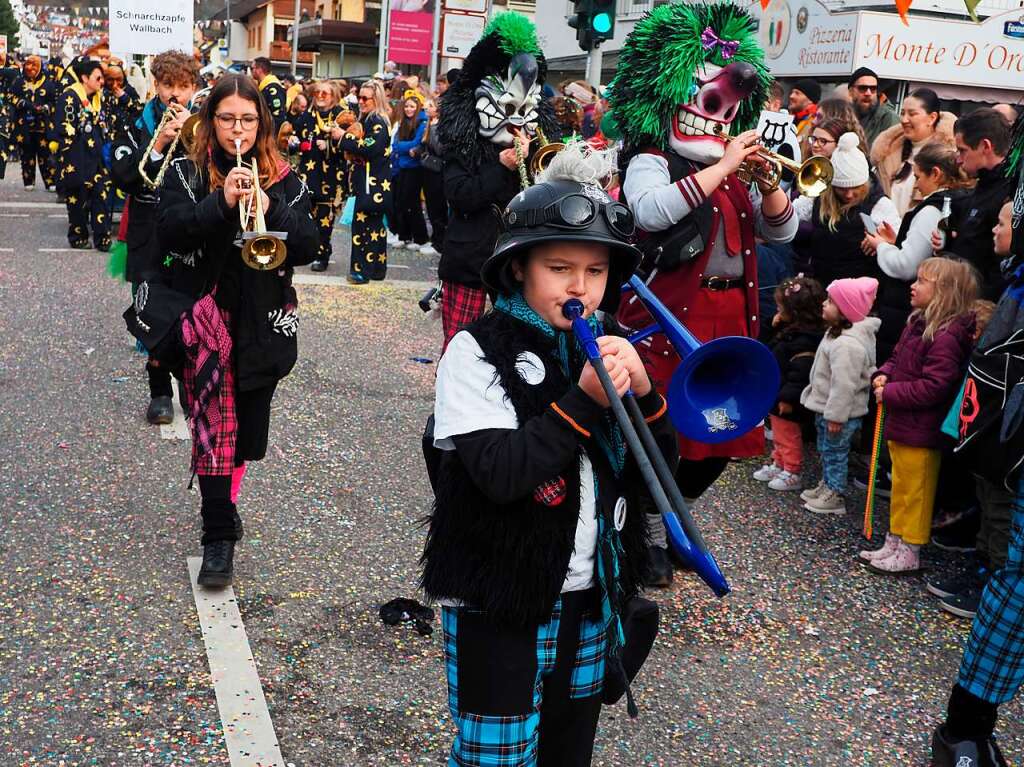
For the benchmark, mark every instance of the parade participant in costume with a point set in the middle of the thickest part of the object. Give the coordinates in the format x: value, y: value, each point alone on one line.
x: 524, y: 551
x: 238, y: 338
x: 494, y: 103
x: 174, y: 75
x: 992, y: 669
x: 321, y: 161
x: 34, y: 99
x: 85, y: 182
x: 695, y: 69
x: 271, y: 90
x: 121, y: 101
x: 367, y: 143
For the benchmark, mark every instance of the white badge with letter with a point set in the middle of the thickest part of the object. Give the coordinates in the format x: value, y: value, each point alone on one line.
x: 619, y: 516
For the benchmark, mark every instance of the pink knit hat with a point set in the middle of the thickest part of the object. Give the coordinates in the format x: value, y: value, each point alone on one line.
x: 854, y: 296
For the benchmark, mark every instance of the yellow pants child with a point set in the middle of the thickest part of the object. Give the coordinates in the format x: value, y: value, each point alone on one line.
x: 915, y: 476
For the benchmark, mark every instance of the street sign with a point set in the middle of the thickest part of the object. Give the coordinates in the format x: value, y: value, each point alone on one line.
x: 461, y: 33
x: 151, y: 26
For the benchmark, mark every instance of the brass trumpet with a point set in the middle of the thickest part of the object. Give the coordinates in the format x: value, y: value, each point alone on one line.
x: 187, y: 137
x: 261, y: 250
x: 813, y: 175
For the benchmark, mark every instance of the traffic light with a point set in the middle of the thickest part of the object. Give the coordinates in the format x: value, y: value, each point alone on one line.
x: 602, y: 20
x: 580, y: 21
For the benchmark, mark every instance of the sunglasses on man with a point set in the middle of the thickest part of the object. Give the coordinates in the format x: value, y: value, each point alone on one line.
x: 866, y: 88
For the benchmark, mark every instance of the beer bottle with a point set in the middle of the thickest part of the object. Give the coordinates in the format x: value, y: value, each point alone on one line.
x: 944, y: 225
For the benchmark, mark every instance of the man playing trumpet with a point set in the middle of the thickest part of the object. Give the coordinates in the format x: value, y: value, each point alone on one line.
x: 137, y: 163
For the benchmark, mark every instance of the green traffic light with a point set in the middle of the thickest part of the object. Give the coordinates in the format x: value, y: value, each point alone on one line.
x: 602, y: 23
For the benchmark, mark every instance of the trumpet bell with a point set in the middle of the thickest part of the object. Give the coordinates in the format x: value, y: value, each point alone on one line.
x: 263, y: 252
x: 188, y: 132
x: 814, y: 176
x: 543, y: 157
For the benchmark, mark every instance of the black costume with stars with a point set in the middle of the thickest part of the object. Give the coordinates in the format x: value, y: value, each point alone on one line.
x: 276, y: 99
x: 321, y: 166
x: 82, y: 127
x: 370, y: 183
x: 34, y: 103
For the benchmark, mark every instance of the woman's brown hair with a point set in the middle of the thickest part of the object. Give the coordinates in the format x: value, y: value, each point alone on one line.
x: 841, y: 111
x: 939, y: 154
x: 801, y: 299
x: 268, y: 156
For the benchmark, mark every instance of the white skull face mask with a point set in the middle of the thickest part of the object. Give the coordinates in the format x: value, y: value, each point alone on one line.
x: 510, y: 104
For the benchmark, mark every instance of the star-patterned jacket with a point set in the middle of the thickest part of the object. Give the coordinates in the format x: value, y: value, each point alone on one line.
x: 276, y: 99
x: 34, y: 104
x: 321, y: 169
x: 122, y: 111
x: 82, y: 131
x: 370, y: 166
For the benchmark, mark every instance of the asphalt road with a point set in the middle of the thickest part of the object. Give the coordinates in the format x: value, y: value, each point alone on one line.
x: 810, y: 661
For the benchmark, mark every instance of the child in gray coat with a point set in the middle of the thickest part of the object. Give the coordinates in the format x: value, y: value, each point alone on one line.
x: 840, y: 385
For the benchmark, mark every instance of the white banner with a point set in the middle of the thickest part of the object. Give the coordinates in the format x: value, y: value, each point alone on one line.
x: 990, y: 54
x: 802, y: 39
x: 151, y: 26
x: 470, y: 6
x: 461, y: 32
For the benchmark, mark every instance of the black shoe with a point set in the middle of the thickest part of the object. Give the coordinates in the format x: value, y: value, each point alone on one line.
x: 883, y: 483
x: 965, y: 604
x: 80, y: 244
x: 218, y: 564
x: 964, y: 753
x: 957, y: 584
x: 659, y: 569
x: 355, y: 279
x: 959, y: 536
x: 160, y: 411
x: 103, y: 246
x: 318, y: 266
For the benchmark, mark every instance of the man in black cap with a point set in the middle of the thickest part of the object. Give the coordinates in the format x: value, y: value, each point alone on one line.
x: 874, y: 115
x: 803, y: 105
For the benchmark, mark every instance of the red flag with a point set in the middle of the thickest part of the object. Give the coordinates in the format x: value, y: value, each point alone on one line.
x: 903, y: 6
x: 765, y: 4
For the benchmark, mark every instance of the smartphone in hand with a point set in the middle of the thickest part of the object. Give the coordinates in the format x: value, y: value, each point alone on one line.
x: 869, y: 224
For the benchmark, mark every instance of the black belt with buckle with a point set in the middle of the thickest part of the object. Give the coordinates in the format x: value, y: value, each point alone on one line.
x: 721, y: 283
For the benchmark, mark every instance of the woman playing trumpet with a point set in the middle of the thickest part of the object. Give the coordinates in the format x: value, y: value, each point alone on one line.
x: 320, y: 160
x: 239, y: 337
x: 135, y: 164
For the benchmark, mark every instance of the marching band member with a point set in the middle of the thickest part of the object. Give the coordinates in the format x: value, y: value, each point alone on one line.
x: 271, y: 89
x: 321, y: 161
x: 82, y: 130
x: 238, y: 338
x: 35, y: 96
x: 368, y: 143
x: 174, y: 76
x: 700, y: 221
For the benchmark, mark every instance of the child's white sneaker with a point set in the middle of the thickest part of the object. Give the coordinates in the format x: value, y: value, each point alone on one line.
x: 904, y: 560
x: 393, y: 240
x: 829, y: 502
x: 768, y: 472
x: 869, y: 556
x: 786, y: 480
x: 813, y: 492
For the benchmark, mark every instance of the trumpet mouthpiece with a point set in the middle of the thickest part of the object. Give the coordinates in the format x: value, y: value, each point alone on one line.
x: 238, y: 146
x: 572, y: 309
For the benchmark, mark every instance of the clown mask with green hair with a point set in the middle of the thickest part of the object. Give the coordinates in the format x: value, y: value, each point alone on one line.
x: 687, y: 73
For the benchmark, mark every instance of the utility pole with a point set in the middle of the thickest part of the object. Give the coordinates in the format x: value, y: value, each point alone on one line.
x: 385, y: 22
x: 435, y: 45
x: 594, y: 66
x: 295, y: 37
x: 227, y: 33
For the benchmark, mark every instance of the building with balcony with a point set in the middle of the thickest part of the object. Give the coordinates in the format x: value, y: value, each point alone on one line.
x: 262, y: 28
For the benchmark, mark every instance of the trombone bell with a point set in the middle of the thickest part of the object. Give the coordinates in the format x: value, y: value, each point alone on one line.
x: 263, y: 252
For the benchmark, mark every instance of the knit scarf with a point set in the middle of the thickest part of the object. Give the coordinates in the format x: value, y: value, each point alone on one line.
x: 572, y: 358
x: 151, y: 115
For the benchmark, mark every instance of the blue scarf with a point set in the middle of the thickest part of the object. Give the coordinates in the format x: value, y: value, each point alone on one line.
x: 571, y: 357
x: 151, y: 115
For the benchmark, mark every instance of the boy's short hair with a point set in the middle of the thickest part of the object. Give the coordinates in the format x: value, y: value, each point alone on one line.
x: 174, y: 68
x: 85, y: 67
x: 982, y: 124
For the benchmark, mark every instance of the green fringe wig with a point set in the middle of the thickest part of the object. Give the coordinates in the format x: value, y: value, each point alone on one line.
x: 660, y: 58
x: 516, y: 33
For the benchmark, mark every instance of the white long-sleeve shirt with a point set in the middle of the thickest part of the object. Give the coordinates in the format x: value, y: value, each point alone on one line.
x: 901, y: 263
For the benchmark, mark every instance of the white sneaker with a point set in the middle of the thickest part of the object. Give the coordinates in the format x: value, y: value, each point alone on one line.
x: 428, y: 250
x: 768, y: 472
x: 786, y: 481
x: 412, y: 247
x: 393, y: 240
x: 874, y: 555
x: 829, y: 502
x: 811, y: 493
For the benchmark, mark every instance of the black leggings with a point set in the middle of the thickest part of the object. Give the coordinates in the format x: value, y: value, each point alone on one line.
x: 409, y: 221
x: 437, y: 206
x: 694, y: 477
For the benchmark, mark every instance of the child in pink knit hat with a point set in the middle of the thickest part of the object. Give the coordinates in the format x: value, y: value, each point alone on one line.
x: 840, y: 385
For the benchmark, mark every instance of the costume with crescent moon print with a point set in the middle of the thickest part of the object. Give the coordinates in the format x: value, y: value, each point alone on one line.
x: 685, y: 72
x: 370, y: 184
x: 320, y: 166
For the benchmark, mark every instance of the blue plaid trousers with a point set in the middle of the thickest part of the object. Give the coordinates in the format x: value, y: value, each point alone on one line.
x: 993, y: 664
x: 510, y: 738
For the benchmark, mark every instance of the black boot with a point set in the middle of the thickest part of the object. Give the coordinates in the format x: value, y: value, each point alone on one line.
x: 318, y: 266
x: 659, y: 569
x: 160, y: 411
x: 218, y: 564
x: 972, y: 753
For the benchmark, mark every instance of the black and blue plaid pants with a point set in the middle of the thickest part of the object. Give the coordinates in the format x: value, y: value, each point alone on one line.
x: 530, y: 696
x: 993, y: 664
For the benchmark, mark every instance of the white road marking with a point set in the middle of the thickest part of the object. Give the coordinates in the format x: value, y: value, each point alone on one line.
x: 32, y: 205
x: 178, y: 428
x: 6, y: 250
x: 248, y: 731
x: 14, y: 215
x: 63, y: 250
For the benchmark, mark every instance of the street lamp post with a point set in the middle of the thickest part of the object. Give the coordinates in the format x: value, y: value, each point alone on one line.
x: 295, y: 38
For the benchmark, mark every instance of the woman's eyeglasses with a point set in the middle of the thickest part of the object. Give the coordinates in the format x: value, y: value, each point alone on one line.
x: 227, y: 121
x: 819, y: 141
x: 366, y: 98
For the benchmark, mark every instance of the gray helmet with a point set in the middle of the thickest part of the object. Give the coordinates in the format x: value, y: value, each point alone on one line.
x: 566, y: 211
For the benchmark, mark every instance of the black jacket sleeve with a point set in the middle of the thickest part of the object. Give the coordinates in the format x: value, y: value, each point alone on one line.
x: 124, y: 161
x: 290, y: 212
x: 796, y: 377
x: 470, y: 191
x: 508, y: 464
x: 185, y: 224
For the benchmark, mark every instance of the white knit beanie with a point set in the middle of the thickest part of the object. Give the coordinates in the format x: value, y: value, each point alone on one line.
x: 849, y: 163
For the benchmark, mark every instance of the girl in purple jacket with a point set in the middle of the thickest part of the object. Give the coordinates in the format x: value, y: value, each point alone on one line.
x: 917, y: 386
